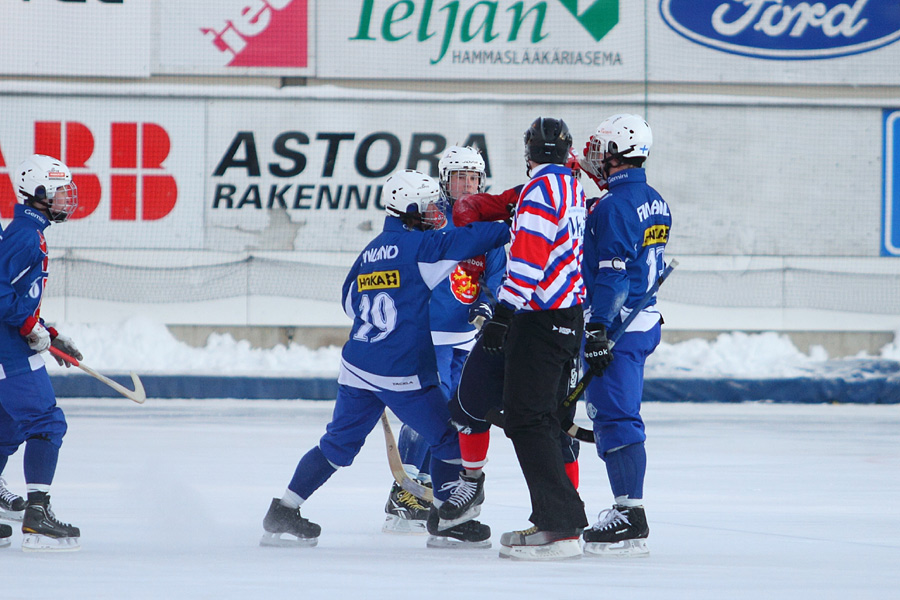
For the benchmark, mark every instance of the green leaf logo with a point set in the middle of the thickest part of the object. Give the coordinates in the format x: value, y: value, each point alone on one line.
x: 598, y: 18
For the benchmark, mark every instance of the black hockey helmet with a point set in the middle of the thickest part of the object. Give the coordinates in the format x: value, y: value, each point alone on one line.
x: 548, y: 141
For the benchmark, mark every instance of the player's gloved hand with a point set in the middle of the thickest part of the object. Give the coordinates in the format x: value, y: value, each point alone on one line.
x: 63, y: 342
x: 480, y: 312
x: 574, y: 162
x: 597, y: 348
x: 36, y: 335
x: 485, y: 207
x: 493, y: 334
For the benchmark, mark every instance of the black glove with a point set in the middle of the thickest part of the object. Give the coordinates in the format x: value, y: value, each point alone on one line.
x: 597, y: 348
x: 493, y: 334
x: 480, y: 312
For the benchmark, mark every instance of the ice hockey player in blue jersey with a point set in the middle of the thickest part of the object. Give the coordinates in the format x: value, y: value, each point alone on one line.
x: 457, y: 301
x: 389, y: 361
x: 624, y: 253
x: 28, y: 410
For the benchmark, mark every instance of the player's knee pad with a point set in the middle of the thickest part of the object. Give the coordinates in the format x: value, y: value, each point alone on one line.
x: 617, y: 434
x: 50, y: 427
x: 339, y: 452
x: 463, y: 421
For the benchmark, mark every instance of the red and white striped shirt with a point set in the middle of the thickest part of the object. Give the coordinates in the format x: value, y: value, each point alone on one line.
x: 544, y: 268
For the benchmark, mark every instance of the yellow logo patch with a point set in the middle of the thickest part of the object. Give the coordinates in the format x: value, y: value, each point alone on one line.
x: 378, y: 280
x: 658, y: 234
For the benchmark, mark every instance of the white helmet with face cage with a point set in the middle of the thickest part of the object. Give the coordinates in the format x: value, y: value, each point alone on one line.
x: 45, y: 183
x: 414, y: 197
x: 623, y: 136
x: 461, y: 158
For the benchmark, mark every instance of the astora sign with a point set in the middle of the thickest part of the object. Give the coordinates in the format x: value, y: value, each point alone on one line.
x: 785, y: 29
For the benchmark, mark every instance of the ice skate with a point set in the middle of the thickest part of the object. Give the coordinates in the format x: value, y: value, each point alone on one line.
x: 464, y: 503
x: 534, y: 544
x: 12, y: 507
x: 619, y: 531
x: 43, y: 531
x: 286, y: 528
x: 5, y: 535
x: 469, y: 534
x: 404, y: 513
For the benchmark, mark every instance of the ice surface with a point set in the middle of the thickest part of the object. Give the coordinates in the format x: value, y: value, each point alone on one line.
x: 744, y: 501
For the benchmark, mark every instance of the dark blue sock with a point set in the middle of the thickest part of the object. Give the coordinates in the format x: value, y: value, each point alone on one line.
x: 40, y: 460
x: 312, y: 471
x: 3, y: 460
x: 626, y: 467
x: 413, y: 448
x: 441, y: 473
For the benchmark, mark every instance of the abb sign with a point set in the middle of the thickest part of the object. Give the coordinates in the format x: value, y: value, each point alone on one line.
x: 139, y: 187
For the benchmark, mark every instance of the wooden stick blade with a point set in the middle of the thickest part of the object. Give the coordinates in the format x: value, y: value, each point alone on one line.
x: 413, y: 487
x: 137, y: 395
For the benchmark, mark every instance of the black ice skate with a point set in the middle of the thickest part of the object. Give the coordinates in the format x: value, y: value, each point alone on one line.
x: 404, y: 513
x: 5, y: 535
x: 43, y: 531
x: 535, y: 544
x: 466, y: 497
x: 12, y: 507
x: 469, y: 534
x: 285, y: 527
x: 619, y: 531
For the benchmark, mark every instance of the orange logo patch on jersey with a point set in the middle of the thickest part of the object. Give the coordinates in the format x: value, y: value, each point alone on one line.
x: 465, y: 288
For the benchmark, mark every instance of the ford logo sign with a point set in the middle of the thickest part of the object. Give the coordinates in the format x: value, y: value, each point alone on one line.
x: 785, y: 29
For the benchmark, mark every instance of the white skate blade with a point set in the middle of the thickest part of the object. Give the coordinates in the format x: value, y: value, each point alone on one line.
x: 437, y: 541
x: 637, y: 548
x: 561, y: 550
x: 466, y: 516
x: 398, y: 525
x: 11, y: 515
x: 35, y: 542
x: 275, y: 540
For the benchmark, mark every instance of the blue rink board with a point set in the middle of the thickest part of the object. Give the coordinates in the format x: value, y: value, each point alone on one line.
x: 861, y: 381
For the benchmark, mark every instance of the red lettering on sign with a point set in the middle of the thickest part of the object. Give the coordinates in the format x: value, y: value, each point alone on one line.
x: 159, y: 192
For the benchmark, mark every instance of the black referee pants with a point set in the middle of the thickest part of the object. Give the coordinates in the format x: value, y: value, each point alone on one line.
x: 537, y: 353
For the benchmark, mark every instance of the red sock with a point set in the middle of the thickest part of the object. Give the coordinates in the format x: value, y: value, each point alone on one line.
x: 473, y: 447
x: 572, y: 472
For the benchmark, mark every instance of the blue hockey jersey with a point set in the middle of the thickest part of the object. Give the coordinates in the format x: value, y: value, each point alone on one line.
x: 624, y: 249
x: 23, y: 276
x: 387, y: 294
x: 456, y: 293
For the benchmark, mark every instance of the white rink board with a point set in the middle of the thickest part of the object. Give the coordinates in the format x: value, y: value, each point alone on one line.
x: 90, y: 38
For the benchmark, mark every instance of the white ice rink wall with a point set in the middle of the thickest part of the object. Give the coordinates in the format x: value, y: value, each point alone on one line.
x: 211, y: 196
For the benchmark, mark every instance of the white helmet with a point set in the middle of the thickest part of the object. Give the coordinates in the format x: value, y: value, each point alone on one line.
x: 46, y: 184
x: 623, y: 136
x: 461, y: 158
x: 414, y: 197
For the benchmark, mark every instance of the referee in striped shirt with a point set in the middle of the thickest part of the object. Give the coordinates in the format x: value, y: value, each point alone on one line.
x: 538, y: 325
